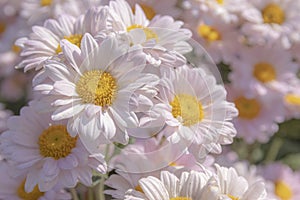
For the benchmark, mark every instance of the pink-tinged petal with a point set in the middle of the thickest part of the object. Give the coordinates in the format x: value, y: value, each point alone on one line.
x: 67, y: 111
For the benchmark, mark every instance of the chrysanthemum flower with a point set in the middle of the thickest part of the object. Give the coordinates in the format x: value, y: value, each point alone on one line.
x: 261, y: 69
x: 195, y: 111
x: 161, y: 30
x: 285, y: 181
x: 148, y: 158
x: 275, y: 21
x: 225, y: 184
x: 44, y: 151
x: 93, y: 87
x: 36, y: 11
x: 44, y: 42
x: 257, y: 116
x: 13, y: 188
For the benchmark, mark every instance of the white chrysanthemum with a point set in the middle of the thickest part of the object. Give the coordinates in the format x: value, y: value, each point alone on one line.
x: 161, y: 30
x: 284, y: 183
x: 194, y: 108
x: 190, y: 186
x: 257, y: 114
x: 44, y: 151
x: 13, y: 188
x: 292, y: 101
x: 36, y: 11
x: 261, y: 69
x: 10, y: 30
x: 275, y: 20
x: 93, y: 87
x: 9, y: 8
x: 156, y: 7
x: 217, y: 37
x: 227, y: 184
x: 226, y: 10
x: 148, y: 158
x: 44, y: 42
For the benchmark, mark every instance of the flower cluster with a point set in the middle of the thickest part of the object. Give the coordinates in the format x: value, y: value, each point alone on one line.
x: 119, y: 99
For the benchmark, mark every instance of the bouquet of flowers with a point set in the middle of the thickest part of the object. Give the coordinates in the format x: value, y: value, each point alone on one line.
x: 150, y: 100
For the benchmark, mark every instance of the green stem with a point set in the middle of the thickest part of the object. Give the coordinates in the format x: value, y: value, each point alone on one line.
x: 274, y: 150
x: 101, y: 188
x: 74, y: 194
x: 90, y: 194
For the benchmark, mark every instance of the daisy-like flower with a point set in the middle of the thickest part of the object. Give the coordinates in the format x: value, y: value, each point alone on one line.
x: 161, y: 30
x: 13, y: 188
x: 292, y: 102
x: 36, y: 11
x: 169, y: 187
x: 147, y: 158
x: 257, y: 116
x: 285, y: 181
x: 45, y: 152
x: 225, y: 184
x: 93, y: 87
x: 12, y: 29
x: 216, y: 36
x: 275, y: 20
x: 226, y: 10
x: 156, y: 7
x: 261, y: 69
x: 194, y: 108
x: 44, y: 41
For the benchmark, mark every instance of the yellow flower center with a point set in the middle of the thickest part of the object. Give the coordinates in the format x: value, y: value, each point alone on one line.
x: 45, y: 2
x: 232, y: 197
x: 293, y: 99
x: 139, y: 188
x: 273, y: 13
x: 283, y: 191
x: 148, y: 10
x: 2, y: 27
x: 74, y: 39
x: 35, y: 194
x: 248, y: 108
x: 148, y: 32
x: 181, y: 198
x: 56, y: 142
x: 264, y: 72
x: 208, y: 33
x: 172, y: 164
x: 188, y: 108
x: 16, y: 49
x: 97, y: 87
x: 220, y: 2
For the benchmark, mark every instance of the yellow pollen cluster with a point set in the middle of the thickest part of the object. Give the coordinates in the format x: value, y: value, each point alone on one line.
x: 188, y: 108
x: 56, y: 142
x: 45, y: 2
x: 148, y: 32
x: 35, y: 194
x: 273, y: 13
x: 181, y: 198
x: 148, y: 10
x: 139, y: 188
x: 74, y: 39
x: 264, y: 72
x: 248, y: 108
x: 16, y: 49
x: 232, y: 197
x: 97, y: 87
x: 208, y: 33
x: 293, y: 99
x: 283, y: 191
